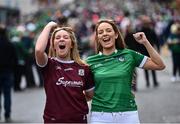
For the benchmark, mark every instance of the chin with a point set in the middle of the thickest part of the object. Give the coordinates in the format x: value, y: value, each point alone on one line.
x: 108, y: 47
x: 62, y: 56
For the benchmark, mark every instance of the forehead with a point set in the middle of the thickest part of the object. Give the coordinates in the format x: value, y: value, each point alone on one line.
x: 104, y: 25
x: 62, y: 32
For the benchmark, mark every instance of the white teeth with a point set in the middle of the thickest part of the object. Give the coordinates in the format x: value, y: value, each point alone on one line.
x: 61, y: 44
x: 106, y: 39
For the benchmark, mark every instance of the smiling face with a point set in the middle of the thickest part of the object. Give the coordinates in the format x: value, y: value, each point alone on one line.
x: 106, y: 36
x: 63, y: 44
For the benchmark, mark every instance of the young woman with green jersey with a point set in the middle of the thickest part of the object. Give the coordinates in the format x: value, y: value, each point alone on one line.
x: 113, y: 68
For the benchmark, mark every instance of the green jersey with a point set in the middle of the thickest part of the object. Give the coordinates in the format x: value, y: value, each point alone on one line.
x: 113, y: 78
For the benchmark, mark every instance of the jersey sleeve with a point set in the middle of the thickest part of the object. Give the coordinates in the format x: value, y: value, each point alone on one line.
x: 47, y: 67
x: 89, y: 80
x: 139, y: 58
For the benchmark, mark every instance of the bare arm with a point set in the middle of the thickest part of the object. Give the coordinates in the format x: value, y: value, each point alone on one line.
x: 40, y: 55
x: 154, y: 62
x: 89, y: 94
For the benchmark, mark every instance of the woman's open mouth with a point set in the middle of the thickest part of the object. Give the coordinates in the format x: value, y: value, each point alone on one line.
x: 62, y: 46
x: 106, y: 39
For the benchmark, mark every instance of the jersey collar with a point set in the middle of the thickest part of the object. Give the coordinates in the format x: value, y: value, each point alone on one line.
x: 63, y: 61
x: 115, y: 51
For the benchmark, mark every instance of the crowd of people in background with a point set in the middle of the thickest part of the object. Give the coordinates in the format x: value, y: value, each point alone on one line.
x: 158, y: 23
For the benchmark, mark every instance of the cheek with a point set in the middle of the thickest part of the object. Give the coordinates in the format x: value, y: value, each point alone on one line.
x: 55, y: 45
x: 99, y: 38
x: 70, y: 44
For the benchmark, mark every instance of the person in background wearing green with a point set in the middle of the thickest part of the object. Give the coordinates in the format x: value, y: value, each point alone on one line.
x: 113, y: 68
x: 173, y: 42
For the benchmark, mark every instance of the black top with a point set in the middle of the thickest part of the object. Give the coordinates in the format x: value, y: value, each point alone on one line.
x: 7, y: 53
x: 153, y: 39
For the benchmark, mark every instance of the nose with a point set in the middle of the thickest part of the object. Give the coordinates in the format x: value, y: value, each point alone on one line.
x: 104, y: 33
x: 61, y: 39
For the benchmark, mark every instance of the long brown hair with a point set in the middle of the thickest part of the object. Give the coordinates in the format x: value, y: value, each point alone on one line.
x: 119, y: 43
x: 74, y: 53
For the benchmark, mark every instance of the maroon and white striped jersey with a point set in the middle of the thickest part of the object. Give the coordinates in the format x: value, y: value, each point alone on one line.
x: 64, y: 83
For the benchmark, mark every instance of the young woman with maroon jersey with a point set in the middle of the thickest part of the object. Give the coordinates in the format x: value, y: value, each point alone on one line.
x: 68, y: 81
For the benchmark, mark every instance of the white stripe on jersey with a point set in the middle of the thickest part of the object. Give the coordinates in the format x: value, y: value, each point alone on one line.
x: 143, y: 61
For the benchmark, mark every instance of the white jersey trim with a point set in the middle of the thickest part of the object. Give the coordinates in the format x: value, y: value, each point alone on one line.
x: 143, y: 61
x: 90, y: 89
x: 59, y: 60
x: 63, y: 61
x: 42, y: 65
x: 115, y: 51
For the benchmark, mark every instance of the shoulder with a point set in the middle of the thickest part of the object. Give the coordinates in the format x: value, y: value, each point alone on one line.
x: 129, y: 52
x: 92, y: 58
x: 50, y: 62
x: 84, y: 66
x: 125, y: 50
x: 52, y: 59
